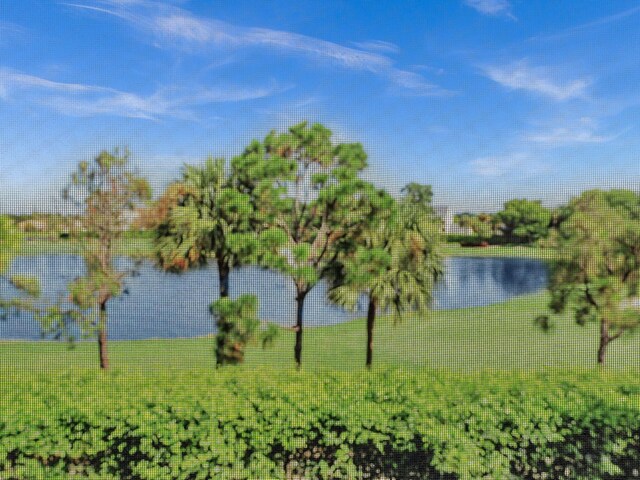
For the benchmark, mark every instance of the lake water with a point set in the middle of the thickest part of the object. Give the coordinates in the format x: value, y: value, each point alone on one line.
x: 161, y: 305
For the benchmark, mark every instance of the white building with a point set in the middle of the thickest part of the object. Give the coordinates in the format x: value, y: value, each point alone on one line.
x: 449, y: 225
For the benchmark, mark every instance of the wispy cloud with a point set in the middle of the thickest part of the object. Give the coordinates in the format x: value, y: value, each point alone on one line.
x: 8, y: 27
x: 177, y: 27
x: 566, y: 136
x: 377, y: 46
x: 584, y: 132
x: 500, y: 165
x: 427, y: 68
x: 88, y: 100
x: 11, y: 31
x: 589, y: 25
x: 10, y: 79
x: 411, y: 83
x: 539, y: 80
x: 492, y: 7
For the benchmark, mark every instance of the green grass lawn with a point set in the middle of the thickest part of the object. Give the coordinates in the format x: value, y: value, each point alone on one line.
x: 143, y: 246
x: 525, y: 251
x: 501, y: 337
x: 134, y: 247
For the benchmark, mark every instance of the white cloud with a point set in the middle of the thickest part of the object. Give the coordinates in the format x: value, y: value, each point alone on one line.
x: 378, y: 46
x: 589, y: 25
x: 564, y: 136
x: 187, y: 28
x: 88, y: 100
x: 429, y: 69
x: 10, y: 79
x: 178, y: 27
x: 583, y: 131
x: 9, y: 28
x: 416, y: 85
x: 501, y: 165
x: 520, y: 76
x: 491, y: 7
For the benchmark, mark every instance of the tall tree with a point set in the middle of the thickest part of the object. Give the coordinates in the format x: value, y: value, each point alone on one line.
x: 597, y: 274
x: 210, y: 216
x: 524, y: 221
x: 209, y: 221
x: 395, y: 263
x: 321, y: 201
x: 107, y: 190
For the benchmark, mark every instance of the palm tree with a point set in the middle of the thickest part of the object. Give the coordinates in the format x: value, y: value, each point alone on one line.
x: 212, y: 215
x: 209, y: 220
x: 395, y: 264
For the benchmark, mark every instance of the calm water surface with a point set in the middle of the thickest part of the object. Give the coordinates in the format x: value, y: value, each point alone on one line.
x: 161, y: 305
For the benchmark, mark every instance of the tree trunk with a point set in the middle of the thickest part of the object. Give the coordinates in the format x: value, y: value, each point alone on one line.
x: 223, y: 274
x: 371, y: 318
x: 102, y: 337
x: 604, y: 340
x: 302, y: 293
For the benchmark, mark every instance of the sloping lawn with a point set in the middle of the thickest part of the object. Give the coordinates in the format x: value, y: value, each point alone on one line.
x: 501, y: 336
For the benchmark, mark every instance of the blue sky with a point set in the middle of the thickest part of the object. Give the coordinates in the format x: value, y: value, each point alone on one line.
x: 486, y: 100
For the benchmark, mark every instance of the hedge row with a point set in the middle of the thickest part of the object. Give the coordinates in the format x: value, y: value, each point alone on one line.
x: 236, y: 423
x: 477, y: 240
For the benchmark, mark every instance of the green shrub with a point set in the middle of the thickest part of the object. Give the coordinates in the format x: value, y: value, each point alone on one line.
x: 241, y: 423
x: 237, y: 324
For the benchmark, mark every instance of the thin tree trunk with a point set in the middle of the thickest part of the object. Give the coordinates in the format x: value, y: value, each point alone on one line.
x: 604, y: 340
x: 223, y: 274
x: 102, y: 337
x: 371, y: 318
x: 302, y: 293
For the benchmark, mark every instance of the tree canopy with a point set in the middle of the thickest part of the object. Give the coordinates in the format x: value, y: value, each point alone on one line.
x: 106, y: 190
x: 394, y: 261
x: 209, y: 220
x: 597, y: 275
x: 320, y: 201
x: 524, y: 221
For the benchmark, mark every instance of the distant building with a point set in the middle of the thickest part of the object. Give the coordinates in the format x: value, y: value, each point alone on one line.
x: 449, y: 226
x: 33, y: 225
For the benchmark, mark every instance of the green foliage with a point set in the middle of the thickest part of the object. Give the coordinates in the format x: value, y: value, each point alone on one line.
x: 597, y: 273
x: 105, y: 190
x: 312, y: 195
x: 392, y: 258
x: 418, y: 194
x: 482, y: 225
x: 524, y: 221
x: 28, y: 284
x: 237, y: 326
x: 215, y: 217
x: 264, y: 424
x: 9, y: 241
x: 208, y: 210
x: 395, y: 261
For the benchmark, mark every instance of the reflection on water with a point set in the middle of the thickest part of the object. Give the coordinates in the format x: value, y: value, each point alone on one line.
x: 163, y: 305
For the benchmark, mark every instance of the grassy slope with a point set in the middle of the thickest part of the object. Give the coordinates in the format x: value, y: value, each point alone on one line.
x: 43, y: 246
x: 525, y: 251
x: 144, y: 246
x: 500, y: 336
